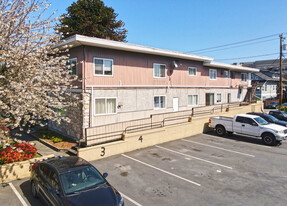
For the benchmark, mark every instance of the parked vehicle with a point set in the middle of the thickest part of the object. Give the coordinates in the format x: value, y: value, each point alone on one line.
x: 272, y: 105
x: 284, y: 104
x: 281, y: 115
x: 250, y: 125
x: 72, y: 181
x: 269, y: 118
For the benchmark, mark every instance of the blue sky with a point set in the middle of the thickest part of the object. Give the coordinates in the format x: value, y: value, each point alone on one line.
x: 189, y: 25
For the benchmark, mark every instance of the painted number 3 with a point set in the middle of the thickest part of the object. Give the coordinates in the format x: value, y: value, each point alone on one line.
x: 103, y: 151
x: 141, y: 138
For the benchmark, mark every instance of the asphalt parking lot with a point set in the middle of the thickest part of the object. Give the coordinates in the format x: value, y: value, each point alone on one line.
x: 200, y: 170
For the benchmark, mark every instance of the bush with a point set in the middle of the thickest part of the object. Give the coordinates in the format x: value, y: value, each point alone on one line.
x: 17, y: 152
x: 51, y: 135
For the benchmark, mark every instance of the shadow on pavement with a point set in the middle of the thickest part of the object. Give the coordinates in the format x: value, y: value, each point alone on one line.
x: 26, y: 189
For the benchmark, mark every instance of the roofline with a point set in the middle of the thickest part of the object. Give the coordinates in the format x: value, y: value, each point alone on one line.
x: 229, y: 66
x: 77, y: 40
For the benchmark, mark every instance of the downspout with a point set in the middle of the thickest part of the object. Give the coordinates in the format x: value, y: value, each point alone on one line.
x: 83, y: 92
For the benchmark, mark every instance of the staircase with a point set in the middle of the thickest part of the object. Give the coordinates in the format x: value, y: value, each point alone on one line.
x: 251, y: 91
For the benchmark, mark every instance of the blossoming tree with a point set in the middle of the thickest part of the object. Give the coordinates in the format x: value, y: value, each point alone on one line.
x: 33, y: 73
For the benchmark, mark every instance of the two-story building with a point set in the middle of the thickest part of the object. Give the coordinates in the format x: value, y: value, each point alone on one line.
x: 122, y: 81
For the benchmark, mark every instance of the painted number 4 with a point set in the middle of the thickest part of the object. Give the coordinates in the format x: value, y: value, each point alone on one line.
x: 141, y: 138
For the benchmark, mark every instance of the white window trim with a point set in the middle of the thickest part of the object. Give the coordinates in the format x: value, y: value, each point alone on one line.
x: 102, y: 75
x: 215, y: 73
x: 75, y: 58
x: 154, y: 71
x: 246, y: 77
x: 164, y: 100
x: 195, y: 71
x: 105, y: 103
x: 220, y: 98
x: 197, y: 100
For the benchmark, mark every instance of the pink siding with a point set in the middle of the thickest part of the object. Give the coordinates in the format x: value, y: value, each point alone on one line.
x: 137, y: 69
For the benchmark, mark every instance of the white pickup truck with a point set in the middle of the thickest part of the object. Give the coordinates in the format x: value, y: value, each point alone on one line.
x: 250, y: 125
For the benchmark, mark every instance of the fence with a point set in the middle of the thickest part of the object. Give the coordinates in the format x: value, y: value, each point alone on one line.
x: 113, y: 132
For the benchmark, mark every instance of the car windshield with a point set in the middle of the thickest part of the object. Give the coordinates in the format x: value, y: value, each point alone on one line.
x: 284, y: 114
x: 81, y: 179
x: 261, y: 121
x: 272, y: 118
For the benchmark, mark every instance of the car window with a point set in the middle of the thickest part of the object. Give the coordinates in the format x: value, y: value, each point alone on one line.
x: 54, y: 180
x: 45, y: 171
x: 239, y: 119
x: 272, y: 118
x: 81, y: 179
x: 261, y: 121
x: 283, y: 113
x: 250, y: 121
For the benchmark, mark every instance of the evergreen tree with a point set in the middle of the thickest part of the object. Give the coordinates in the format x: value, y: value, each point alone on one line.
x: 92, y: 18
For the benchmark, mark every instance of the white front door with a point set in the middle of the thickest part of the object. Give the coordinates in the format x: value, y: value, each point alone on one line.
x: 175, y: 104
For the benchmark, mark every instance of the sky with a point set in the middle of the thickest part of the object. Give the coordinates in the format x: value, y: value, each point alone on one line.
x: 193, y: 25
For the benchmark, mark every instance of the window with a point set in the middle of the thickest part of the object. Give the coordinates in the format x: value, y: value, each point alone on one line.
x: 228, y: 97
x: 225, y: 74
x: 159, y: 70
x: 54, y: 180
x: 105, y: 105
x: 212, y: 74
x: 192, y: 100
x: 72, y: 65
x: 240, y: 119
x: 159, y: 102
x: 192, y: 71
x: 232, y: 75
x: 244, y: 77
x: 103, y: 67
x: 218, y: 98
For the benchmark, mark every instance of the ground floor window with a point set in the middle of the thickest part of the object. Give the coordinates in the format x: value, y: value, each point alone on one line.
x: 105, y: 105
x: 159, y: 102
x: 192, y: 100
x: 209, y: 99
x: 218, y: 98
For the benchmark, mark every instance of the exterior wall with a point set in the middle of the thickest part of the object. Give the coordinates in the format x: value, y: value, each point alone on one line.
x: 268, y: 90
x: 134, y: 69
x: 139, y: 103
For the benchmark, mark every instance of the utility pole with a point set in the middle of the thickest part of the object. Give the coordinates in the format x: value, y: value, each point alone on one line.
x: 280, y: 82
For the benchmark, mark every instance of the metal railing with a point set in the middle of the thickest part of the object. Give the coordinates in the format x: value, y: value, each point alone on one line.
x: 113, y: 132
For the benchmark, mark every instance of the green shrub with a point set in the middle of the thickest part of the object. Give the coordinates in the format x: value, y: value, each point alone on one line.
x: 51, y: 135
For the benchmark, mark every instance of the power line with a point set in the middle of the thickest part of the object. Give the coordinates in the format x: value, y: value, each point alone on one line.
x: 230, y: 44
x: 237, y: 46
x: 248, y: 57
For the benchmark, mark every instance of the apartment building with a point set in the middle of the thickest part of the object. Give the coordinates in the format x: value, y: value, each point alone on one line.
x: 123, y: 81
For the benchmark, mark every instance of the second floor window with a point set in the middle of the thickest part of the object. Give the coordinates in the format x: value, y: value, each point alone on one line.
x: 192, y: 71
x: 72, y: 65
x: 212, y: 74
x: 103, y: 67
x: 243, y: 77
x: 225, y: 74
x: 159, y: 70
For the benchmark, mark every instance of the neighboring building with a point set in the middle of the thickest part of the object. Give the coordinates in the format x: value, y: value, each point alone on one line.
x: 271, y: 65
x: 267, y: 85
x: 122, y: 81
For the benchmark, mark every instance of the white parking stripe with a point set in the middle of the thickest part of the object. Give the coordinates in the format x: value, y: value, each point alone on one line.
x: 250, y: 144
x: 218, y: 148
x: 18, y: 195
x: 169, y: 173
x: 214, y: 163
x: 131, y: 200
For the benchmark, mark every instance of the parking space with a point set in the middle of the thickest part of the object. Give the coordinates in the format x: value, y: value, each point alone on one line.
x: 200, y: 170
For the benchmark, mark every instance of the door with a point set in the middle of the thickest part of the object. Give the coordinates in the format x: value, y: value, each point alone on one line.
x: 175, y: 104
x: 229, y: 98
x: 237, y: 124
x: 209, y: 99
x: 250, y: 127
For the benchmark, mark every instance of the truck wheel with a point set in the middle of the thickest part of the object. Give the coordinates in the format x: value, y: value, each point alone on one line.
x: 268, y: 139
x: 220, y: 130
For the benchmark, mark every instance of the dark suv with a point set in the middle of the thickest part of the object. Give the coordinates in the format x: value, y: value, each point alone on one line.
x: 72, y: 181
x: 279, y: 115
